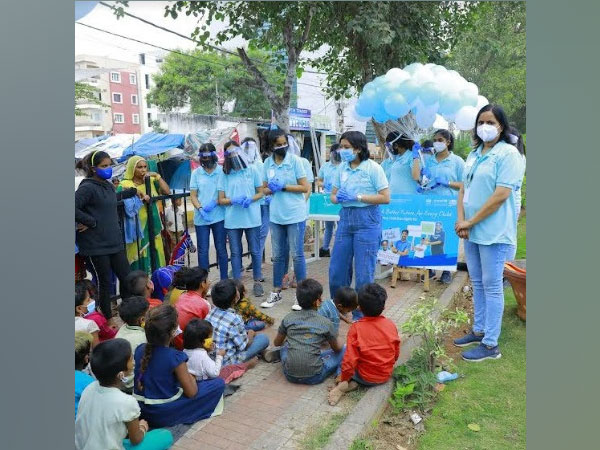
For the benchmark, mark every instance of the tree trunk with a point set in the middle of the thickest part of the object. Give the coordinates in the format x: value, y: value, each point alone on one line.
x: 381, y: 134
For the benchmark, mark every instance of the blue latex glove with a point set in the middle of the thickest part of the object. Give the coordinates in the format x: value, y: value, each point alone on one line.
x: 444, y: 376
x: 344, y: 196
x: 443, y: 181
x: 205, y: 215
x: 247, y: 201
x: 212, y: 204
x: 425, y: 172
x: 415, y: 150
x: 275, y: 185
x: 239, y: 200
x: 327, y: 187
x: 268, y: 199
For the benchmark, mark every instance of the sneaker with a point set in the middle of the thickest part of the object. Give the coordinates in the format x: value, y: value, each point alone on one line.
x: 258, y: 290
x: 446, y: 278
x: 481, y: 352
x: 324, y: 253
x: 274, y: 298
x: 296, y: 306
x: 468, y: 339
x: 285, y: 283
x: 272, y: 355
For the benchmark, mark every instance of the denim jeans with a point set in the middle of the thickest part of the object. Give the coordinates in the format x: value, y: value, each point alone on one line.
x: 331, y: 364
x: 264, y: 227
x: 235, y: 245
x: 356, y: 240
x: 511, y: 254
x: 255, y: 325
x: 486, y: 265
x: 328, y: 234
x: 203, y: 240
x: 284, y: 237
x: 259, y: 343
x: 301, y: 232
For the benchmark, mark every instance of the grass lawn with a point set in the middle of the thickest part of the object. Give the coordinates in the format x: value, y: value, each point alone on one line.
x: 492, y: 395
x: 521, y: 241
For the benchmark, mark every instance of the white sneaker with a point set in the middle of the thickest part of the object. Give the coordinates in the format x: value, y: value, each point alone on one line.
x: 274, y: 298
x: 296, y: 306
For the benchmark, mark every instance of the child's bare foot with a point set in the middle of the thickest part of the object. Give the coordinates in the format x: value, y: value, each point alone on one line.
x: 337, y: 392
x: 252, y: 363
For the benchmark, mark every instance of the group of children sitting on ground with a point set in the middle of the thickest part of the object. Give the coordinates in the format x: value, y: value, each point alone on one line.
x: 171, y: 361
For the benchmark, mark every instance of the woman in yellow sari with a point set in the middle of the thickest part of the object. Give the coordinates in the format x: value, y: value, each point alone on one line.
x: 136, y: 172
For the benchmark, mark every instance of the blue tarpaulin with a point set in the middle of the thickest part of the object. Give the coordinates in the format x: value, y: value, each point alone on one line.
x: 181, y: 178
x: 86, y: 142
x: 151, y: 144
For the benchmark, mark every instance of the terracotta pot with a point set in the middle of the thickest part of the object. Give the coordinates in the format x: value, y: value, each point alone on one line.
x: 516, y: 277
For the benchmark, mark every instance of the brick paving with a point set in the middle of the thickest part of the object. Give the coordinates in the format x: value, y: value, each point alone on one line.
x: 268, y: 412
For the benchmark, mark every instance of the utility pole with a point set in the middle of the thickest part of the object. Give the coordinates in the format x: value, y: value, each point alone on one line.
x: 340, y: 117
x: 219, y: 113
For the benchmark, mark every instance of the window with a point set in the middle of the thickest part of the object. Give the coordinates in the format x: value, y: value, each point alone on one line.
x: 115, y: 77
x: 132, y: 78
x: 99, y: 95
x: 142, y: 58
x: 134, y: 99
x: 148, y: 104
x: 147, y: 78
x: 117, y: 97
x: 149, y: 119
x: 135, y: 118
x: 119, y: 118
x: 96, y: 116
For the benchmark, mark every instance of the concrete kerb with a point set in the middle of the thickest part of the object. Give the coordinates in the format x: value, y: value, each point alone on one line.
x: 372, y: 404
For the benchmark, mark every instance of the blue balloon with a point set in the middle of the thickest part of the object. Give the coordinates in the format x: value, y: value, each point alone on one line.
x: 429, y: 93
x: 450, y: 103
x: 396, y: 105
x: 381, y: 116
x: 367, y: 103
x: 409, y: 90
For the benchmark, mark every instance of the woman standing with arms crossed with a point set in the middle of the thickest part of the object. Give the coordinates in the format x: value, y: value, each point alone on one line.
x: 486, y: 220
x: 209, y: 215
x: 285, y: 179
x: 360, y: 186
x: 99, y: 236
x: 135, y: 175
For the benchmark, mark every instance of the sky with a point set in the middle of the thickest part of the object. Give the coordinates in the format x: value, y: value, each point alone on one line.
x: 93, y: 42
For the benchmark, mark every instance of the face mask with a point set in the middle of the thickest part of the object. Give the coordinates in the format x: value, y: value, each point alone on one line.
x: 487, y: 132
x: 208, y: 163
x: 125, y: 379
x: 91, y: 307
x: 105, y: 174
x: 347, y: 154
x: 281, y: 151
x: 208, y: 342
x: 439, y: 147
x: 177, y: 332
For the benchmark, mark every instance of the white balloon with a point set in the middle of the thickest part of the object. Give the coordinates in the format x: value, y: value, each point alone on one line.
x: 481, y: 102
x: 440, y: 123
x: 412, y: 68
x: 423, y: 75
x: 397, y: 75
x: 465, y: 118
x: 472, y: 87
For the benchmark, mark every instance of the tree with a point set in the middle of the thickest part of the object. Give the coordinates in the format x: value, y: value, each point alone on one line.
x: 208, y: 80
x: 84, y: 93
x: 492, y: 55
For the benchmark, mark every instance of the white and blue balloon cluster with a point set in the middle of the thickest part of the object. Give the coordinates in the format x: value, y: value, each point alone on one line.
x: 426, y: 90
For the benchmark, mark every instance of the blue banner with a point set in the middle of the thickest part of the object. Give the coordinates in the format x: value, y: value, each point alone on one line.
x: 418, y: 231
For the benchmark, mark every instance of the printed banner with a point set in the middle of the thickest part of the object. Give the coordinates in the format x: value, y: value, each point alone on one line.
x: 320, y: 205
x: 418, y: 231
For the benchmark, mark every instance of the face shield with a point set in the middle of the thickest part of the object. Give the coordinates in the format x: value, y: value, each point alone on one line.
x: 293, y: 147
x: 208, y: 160
x: 390, y: 152
x: 235, y: 159
x: 250, y: 149
x: 335, y: 157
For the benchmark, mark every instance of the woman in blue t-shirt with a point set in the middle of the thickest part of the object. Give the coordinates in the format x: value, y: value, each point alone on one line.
x: 486, y: 220
x: 360, y: 186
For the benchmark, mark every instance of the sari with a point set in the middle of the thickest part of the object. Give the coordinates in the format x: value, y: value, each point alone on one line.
x: 142, y: 261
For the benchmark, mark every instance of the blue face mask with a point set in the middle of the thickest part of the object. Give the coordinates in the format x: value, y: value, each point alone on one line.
x: 347, y: 154
x: 105, y: 174
x: 91, y: 307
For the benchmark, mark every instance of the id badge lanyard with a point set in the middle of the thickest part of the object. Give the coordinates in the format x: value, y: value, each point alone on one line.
x: 471, y: 174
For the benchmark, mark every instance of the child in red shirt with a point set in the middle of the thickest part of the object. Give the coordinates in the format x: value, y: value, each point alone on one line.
x: 372, y: 347
x: 106, y: 331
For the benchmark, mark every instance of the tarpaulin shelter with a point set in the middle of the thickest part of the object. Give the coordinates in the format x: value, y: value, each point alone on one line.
x: 151, y: 144
x: 84, y: 143
x: 113, y: 145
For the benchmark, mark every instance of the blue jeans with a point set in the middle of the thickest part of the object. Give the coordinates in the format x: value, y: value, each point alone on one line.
x: 511, y: 254
x: 203, y: 240
x: 357, y: 238
x: 264, y: 227
x: 331, y: 364
x: 235, y: 245
x: 328, y: 234
x: 284, y: 237
x: 486, y: 265
x: 255, y: 325
x: 259, y: 343
x: 301, y: 232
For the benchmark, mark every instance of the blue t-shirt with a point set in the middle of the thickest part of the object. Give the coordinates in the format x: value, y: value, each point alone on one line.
x: 206, y: 185
x: 159, y: 380
x: 367, y: 179
x: 82, y: 380
x: 402, y: 246
x: 286, y: 207
x: 329, y: 311
x: 327, y: 173
x: 386, y: 165
x: 501, y: 166
x: 450, y: 167
x: 401, y: 180
x: 238, y: 183
x: 437, y: 249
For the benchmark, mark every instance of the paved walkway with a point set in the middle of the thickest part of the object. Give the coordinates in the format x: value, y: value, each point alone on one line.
x: 268, y: 412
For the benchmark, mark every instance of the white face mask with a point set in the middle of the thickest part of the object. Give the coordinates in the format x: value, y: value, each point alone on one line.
x: 439, y: 147
x: 487, y: 132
